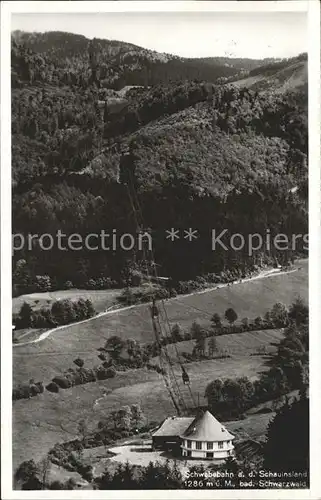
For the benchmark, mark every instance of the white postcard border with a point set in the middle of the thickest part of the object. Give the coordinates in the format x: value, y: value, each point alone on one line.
x: 313, y: 8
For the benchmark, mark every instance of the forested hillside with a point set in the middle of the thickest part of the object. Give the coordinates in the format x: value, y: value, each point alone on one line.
x: 73, y: 59
x: 87, y: 116
x: 282, y: 76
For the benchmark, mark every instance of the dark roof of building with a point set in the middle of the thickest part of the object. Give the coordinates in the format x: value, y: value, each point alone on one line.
x: 207, y: 428
x: 204, y: 427
x: 174, y: 426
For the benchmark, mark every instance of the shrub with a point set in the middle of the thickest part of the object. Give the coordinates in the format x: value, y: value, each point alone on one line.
x: 185, y: 287
x: 71, y: 377
x: 70, y: 484
x: 197, y: 331
x: 111, y: 372
x: 187, y: 336
x: 245, y: 323
x: 127, y: 297
x: 200, y: 280
x: 62, y: 382
x: 40, y: 386
x: 79, y: 362
x: 34, y: 390
x: 68, y: 285
x: 25, y: 316
x: 162, y: 293
x: 230, y: 315
x: 279, y: 315
x: 212, y: 278
x: 187, y: 355
x: 101, y: 373
x: 27, y: 391
x: 158, y: 369
x: 21, y: 392
x: 90, y: 310
x: 52, y: 387
x: 27, y: 474
x: 115, y: 435
x: 74, y: 378
x: 43, y: 283
x: 90, y: 284
x: 176, y: 333
x: 258, y: 322
x: 299, y: 312
x: 105, y: 373
x: 86, y: 375
x: 101, y: 283
x: 38, y: 320
x: 216, y: 320
x: 56, y: 485
x: 136, y: 278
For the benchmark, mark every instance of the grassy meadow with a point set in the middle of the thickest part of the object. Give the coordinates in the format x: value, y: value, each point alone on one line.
x: 55, y: 354
x: 49, y: 418
x: 101, y: 299
x: 42, y: 421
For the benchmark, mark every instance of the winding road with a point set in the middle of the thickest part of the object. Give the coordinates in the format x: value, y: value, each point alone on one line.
x: 113, y: 310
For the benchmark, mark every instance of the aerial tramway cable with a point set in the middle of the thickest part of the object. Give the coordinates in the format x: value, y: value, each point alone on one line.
x: 156, y: 322
x: 167, y: 322
x: 185, y: 376
x: 177, y: 398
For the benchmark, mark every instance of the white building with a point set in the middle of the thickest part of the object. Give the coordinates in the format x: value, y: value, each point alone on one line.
x: 207, y: 438
x: 202, y: 437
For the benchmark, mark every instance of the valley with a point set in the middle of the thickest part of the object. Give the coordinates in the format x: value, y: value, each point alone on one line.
x: 108, y: 135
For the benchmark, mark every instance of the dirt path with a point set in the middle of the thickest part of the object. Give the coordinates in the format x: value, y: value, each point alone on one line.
x: 113, y: 310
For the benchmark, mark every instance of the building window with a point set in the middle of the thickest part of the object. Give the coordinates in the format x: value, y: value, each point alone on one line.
x: 209, y: 446
x: 189, y: 444
x: 220, y: 445
x: 198, y: 445
x: 209, y: 454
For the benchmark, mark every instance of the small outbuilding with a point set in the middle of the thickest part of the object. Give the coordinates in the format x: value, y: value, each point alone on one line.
x: 168, y: 435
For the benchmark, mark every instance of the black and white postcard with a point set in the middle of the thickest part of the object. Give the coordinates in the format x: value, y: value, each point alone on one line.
x: 159, y: 171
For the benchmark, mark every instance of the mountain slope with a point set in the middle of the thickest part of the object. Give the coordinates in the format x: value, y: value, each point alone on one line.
x: 279, y: 77
x: 199, y: 154
x: 188, y: 148
x: 110, y: 62
x: 115, y: 64
x: 238, y: 63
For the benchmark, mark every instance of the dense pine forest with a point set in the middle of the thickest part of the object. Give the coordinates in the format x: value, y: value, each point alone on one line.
x: 201, y: 151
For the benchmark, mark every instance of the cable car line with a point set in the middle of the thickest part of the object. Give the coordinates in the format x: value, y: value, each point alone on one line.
x: 170, y: 379
x: 185, y: 376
